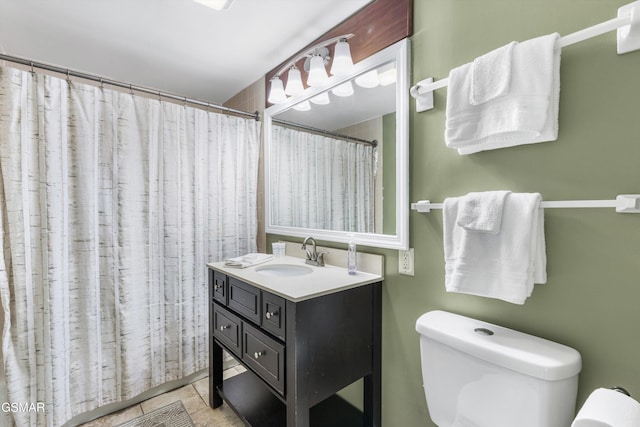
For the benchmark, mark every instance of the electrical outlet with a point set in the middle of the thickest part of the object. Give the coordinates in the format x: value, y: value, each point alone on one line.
x: 405, y: 262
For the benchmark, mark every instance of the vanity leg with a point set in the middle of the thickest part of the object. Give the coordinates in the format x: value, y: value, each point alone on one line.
x: 372, y: 403
x: 296, y: 367
x: 215, y: 374
x: 215, y: 354
x: 297, y: 415
x: 373, y: 382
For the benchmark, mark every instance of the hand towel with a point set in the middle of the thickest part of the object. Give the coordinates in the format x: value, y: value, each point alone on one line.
x: 247, y: 260
x: 482, y: 211
x: 491, y: 75
x: 527, y: 114
x: 504, y: 265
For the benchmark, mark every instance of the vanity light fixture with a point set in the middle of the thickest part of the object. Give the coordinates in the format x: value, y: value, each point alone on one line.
x: 316, y: 59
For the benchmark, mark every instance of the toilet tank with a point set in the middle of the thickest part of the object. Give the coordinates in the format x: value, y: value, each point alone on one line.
x: 478, y: 374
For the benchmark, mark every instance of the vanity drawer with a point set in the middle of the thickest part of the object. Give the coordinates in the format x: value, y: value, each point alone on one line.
x: 245, y: 299
x: 226, y: 328
x: 265, y: 355
x: 273, y: 314
x: 219, y: 285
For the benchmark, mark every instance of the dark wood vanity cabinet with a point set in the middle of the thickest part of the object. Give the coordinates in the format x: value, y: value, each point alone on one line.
x: 298, y: 355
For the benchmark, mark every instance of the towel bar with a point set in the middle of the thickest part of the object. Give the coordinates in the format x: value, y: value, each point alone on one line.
x: 627, y: 25
x: 624, y: 203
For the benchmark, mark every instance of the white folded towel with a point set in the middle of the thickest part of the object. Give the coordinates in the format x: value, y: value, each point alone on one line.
x: 247, y: 260
x: 491, y: 75
x: 527, y: 114
x: 482, y: 211
x: 503, y: 265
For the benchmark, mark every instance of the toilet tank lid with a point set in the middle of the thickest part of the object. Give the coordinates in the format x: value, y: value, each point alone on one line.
x: 511, y: 349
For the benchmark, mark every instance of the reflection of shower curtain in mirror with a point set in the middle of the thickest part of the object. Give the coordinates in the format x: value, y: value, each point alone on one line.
x: 110, y: 207
x: 321, y: 182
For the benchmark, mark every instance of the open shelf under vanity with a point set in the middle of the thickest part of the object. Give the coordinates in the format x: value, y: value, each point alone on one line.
x: 256, y: 405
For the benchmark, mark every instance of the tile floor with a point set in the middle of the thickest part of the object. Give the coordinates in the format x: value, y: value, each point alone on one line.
x: 194, y: 397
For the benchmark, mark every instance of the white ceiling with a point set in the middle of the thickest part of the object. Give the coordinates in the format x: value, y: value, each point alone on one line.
x: 177, y: 46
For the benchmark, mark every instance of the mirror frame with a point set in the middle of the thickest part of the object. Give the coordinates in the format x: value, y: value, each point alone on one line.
x: 400, y: 53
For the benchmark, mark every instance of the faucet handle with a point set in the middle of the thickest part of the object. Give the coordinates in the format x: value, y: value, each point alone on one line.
x: 321, y: 258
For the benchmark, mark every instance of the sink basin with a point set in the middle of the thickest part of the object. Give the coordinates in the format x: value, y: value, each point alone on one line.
x: 284, y: 270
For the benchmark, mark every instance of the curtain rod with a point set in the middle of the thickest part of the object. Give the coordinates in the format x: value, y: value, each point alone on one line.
x: 130, y: 87
x: 284, y: 123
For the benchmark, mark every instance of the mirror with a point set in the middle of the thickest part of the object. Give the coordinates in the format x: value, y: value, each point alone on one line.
x: 341, y: 168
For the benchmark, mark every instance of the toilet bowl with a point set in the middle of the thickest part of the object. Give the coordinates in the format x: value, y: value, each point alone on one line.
x: 477, y: 374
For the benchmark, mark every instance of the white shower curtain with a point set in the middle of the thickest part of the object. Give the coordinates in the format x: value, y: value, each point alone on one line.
x: 321, y: 182
x: 110, y: 207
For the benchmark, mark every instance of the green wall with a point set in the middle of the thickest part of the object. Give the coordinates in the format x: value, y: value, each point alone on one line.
x: 592, y: 298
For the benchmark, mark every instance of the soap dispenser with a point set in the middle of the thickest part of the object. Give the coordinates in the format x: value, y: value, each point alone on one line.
x: 352, y: 256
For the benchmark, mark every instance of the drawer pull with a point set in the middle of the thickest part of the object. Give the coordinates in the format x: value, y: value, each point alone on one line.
x: 257, y: 354
x: 270, y: 314
x: 223, y: 327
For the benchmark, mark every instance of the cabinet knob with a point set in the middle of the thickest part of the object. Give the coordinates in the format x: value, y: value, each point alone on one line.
x: 217, y: 286
x: 270, y: 314
x: 223, y: 327
x: 257, y: 354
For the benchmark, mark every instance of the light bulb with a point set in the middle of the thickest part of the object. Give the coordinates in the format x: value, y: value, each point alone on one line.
x: 303, y: 106
x: 342, y: 63
x: 317, y: 73
x: 276, y: 94
x: 387, y: 77
x: 345, y: 89
x: 294, y: 82
x: 368, y: 80
x: 321, y: 99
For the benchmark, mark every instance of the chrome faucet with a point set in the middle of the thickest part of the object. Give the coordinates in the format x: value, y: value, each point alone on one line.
x: 313, y: 257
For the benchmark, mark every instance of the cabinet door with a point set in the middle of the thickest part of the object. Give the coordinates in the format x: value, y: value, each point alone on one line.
x: 244, y: 299
x: 265, y: 355
x: 226, y: 328
x: 219, y: 287
x: 273, y: 314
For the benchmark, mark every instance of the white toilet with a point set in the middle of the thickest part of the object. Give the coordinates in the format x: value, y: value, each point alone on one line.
x: 477, y: 374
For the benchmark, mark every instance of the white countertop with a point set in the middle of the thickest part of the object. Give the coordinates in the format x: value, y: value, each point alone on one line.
x: 321, y: 281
